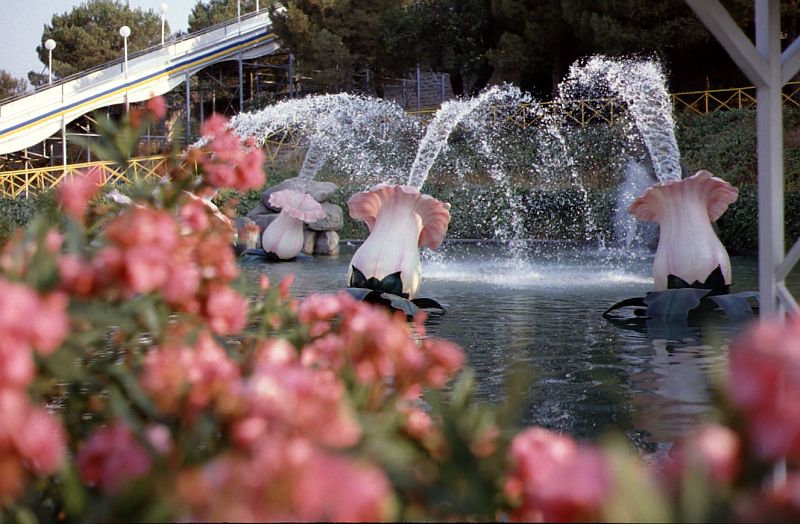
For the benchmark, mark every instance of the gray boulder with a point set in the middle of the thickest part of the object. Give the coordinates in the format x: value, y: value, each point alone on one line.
x: 327, y: 243
x: 263, y: 221
x: 319, y: 191
x: 333, y: 220
x: 309, y: 241
x: 260, y: 209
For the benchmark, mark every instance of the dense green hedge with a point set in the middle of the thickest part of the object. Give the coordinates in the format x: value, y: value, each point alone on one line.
x: 16, y: 212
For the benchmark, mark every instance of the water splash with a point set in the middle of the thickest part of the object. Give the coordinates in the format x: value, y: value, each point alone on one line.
x: 368, y: 138
x: 447, y: 118
x: 641, y: 84
x: 626, y: 228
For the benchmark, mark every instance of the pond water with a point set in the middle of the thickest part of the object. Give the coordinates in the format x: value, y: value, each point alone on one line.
x: 541, y: 315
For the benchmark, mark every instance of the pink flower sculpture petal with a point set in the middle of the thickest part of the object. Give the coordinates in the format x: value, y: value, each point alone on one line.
x: 688, y: 247
x: 284, y: 236
x: 400, y: 220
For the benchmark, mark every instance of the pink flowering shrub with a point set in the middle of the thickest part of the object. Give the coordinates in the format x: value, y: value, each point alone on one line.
x: 139, y: 382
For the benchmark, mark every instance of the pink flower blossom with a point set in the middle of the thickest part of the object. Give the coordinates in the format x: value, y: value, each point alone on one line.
x: 157, y: 107
x: 111, y: 458
x: 74, y: 194
x: 42, y: 442
x: 765, y: 385
x: 555, y: 480
x: 226, y: 310
x: 32, y: 320
x: 711, y: 450
x: 229, y: 165
x: 286, y: 480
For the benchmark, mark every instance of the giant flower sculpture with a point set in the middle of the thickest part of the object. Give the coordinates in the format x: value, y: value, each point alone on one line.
x: 400, y: 220
x: 284, y: 236
x: 691, y: 269
x: 688, y: 247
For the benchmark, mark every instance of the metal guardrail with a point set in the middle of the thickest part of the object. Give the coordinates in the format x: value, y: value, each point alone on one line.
x: 22, y: 182
x: 131, y: 56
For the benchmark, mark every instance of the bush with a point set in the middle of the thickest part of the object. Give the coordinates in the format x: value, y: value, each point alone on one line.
x: 171, y: 395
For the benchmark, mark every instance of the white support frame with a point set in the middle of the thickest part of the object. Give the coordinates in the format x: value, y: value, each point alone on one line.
x: 769, y: 70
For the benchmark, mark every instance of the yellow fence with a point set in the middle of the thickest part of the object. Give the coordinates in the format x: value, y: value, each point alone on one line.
x: 22, y: 182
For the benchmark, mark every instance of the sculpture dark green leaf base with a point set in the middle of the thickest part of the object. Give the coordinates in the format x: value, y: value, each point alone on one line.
x: 258, y: 255
x: 388, y: 292
x: 685, y: 303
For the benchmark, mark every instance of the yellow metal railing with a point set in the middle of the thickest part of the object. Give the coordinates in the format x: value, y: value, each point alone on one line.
x: 22, y: 182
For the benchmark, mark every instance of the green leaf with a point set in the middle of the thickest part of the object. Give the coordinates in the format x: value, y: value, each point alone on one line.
x: 673, y: 305
x: 628, y: 302
x: 400, y: 303
x: 736, y: 306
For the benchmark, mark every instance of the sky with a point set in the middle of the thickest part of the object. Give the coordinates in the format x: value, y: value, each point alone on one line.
x: 22, y: 23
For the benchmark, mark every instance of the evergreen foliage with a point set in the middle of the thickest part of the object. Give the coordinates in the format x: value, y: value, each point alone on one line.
x: 89, y: 36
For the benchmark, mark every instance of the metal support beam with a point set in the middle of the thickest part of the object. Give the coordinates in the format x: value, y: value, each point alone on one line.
x: 188, y: 109
x: 241, y: 86
x: 769, y: 130
x: 790, y: 61
x: 768, y: 69
x: 64, y: 144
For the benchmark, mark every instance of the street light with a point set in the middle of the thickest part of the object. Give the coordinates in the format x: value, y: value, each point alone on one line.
x: 125, y: 32
x: 163, y: 9
x: 50, y: 44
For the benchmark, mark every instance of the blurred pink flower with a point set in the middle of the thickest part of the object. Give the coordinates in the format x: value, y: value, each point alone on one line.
x: 74, y: 194
x: 286, y: 479
x: 334, y: 489
x: 226, y: 310
x: 554, y: 480
x: 42, y: 442
x: 229, y: 164
x: 17, y: 368
x: 157, y: 106
x: 32, y: 320
x: 303, y: 401
x: 112, y: 457
x: 765, y: 385
x: 711, y: 450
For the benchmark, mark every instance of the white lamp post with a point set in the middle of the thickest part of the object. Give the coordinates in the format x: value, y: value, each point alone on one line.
x: 125, y: 32
x: 50, y: 44
x: 163, y: 9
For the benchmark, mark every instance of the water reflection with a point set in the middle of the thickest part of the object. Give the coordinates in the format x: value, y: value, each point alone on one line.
x: 541, y: 318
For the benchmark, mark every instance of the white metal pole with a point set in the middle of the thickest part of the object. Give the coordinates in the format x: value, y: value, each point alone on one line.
x: 50, y: 44
x: 769, y: 124
x: 64, y: 144
x: 125, y: 32
x: 163, y: 8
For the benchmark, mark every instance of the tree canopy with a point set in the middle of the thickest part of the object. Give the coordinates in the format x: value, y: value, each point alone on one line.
x: 530, y: 43
x: 10, y: 86
x: 211, y: 12
x: 89, y: 35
